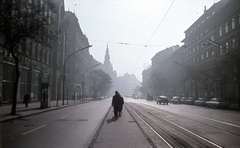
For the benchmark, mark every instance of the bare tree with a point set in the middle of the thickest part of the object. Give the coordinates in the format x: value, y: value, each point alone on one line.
x: 19, y: 21
x: 99, y: 82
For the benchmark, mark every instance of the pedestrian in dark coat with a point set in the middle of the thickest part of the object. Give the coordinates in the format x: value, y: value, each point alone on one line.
x: 26, y: 99
x: 117, y: 103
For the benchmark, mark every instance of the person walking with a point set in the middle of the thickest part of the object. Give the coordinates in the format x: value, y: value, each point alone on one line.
x: 26, y: 99
x: 117, y: 103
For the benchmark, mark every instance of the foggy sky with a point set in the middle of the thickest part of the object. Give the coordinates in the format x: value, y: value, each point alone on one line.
x: 135, y: 30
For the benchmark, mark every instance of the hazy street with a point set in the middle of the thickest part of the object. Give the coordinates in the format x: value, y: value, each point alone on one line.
x: 163, y: 125
x: 71, y: 127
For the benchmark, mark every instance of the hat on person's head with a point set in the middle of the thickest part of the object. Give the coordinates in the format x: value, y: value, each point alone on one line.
x: 116, y: 92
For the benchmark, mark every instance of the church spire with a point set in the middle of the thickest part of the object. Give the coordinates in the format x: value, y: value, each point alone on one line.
x: 107, y: 58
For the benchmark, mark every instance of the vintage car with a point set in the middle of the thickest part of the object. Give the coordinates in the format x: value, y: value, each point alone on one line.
x: 217, y: 103
x: 149, y: 97
x: 162, y: 100
x: 200, y: 102
x: 190, y: 100
x: 183, y: 100
x: 175, y: 100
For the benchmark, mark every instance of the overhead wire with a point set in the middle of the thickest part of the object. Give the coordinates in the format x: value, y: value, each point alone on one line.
x: 122, y: 43
x: 154, y: 32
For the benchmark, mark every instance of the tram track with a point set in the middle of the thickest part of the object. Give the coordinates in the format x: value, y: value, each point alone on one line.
x: 172, y: 134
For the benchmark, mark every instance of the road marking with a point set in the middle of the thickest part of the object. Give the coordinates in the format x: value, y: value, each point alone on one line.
x: 33, y: 130
x: 64, y: 117
x: 204, y: 139
x: 230, y: 124
x: 222, y: 122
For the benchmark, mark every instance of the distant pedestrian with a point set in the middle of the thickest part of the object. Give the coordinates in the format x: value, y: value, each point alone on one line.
x: 44, y: 96
x: 26, y: 99
x: 117, y: 103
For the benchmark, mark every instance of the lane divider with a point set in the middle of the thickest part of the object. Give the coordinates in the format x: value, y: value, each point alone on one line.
x: 64, y: 117
x: 33, y: 130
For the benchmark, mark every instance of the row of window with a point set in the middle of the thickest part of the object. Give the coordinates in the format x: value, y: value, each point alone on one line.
x: 203, y: 45
x: 233, y: 26
x: 221, y: 30
x: 210, y: 53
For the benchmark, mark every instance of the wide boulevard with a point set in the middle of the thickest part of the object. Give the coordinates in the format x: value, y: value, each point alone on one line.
x: 161, y: 125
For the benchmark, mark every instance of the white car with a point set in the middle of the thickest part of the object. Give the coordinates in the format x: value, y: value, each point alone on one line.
x: 217, y: 103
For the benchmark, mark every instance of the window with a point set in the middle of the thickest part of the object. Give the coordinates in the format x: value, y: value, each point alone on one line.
x: 202, y: 56
x: 221, y: 50
x: 220, y: 31
x: 213, y: 13
x: 212, y: 53
x: 207, y: 54
x: 226, y: 28
x: 233, y: 23
x: 226, y: 46
x: 197, y: 47
x: 233, y: 43
x: 212, y: 38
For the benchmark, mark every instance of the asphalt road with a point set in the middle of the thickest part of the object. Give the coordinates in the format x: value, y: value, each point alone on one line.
x: 142, y: 122
x: 71, y: 127
x: 187, y: 125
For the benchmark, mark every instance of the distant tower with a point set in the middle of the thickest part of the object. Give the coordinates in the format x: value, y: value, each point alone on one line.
x: 107, y: 62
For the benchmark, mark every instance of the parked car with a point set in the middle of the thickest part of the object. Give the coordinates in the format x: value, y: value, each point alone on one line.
x: 162, y: 99
x: 149, y: 97
x: 183, y: 100
x: 175, y: 100
x: 190, y: 100
x: 100, y: 98
x: 217, y: 103
x: 200, y: 102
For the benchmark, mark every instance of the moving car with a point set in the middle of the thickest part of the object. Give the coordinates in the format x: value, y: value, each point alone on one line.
x: 200, y: 102
x: 217, y: 103
x: 162, y: 99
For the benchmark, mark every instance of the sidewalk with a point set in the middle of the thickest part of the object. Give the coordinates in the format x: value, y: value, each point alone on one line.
x: 119, y: 132
x: 33, y: 108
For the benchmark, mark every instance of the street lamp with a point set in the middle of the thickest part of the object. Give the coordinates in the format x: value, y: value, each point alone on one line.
x: 64, y: 67
x: 83, y: 77
x: 212, y: 42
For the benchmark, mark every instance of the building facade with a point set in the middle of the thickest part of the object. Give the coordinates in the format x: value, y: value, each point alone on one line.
x: 41, y: 67
x: 204, y: 65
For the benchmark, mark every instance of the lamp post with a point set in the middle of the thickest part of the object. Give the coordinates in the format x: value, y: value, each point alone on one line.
x: 64, y: 68
x: 83, y: 77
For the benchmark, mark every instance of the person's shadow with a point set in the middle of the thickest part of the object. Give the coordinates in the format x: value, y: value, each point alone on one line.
x: 113, y: 119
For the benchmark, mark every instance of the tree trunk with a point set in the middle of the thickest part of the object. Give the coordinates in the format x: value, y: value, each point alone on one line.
x: 15, y: 86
